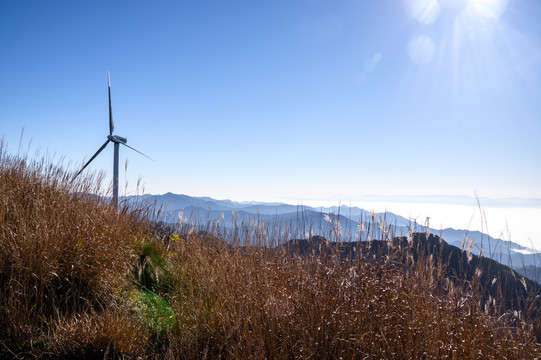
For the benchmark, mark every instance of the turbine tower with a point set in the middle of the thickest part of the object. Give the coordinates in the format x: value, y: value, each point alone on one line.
x: 116, y: 140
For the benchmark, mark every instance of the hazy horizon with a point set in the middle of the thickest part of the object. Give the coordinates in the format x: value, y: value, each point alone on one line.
x: 512, y: 223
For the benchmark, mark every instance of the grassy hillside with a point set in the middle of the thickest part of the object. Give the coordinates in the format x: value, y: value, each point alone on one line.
x: 80, y: 280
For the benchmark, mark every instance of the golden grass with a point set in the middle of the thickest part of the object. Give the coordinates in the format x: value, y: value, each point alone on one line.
x: 71, y: 266
x: 254, y: 304
x: 62, y: 251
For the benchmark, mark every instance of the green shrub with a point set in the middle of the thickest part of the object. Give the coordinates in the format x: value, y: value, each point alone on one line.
x: 155, y: 311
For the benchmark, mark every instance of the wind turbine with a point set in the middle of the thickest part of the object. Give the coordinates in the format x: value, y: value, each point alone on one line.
x: 116, y: 140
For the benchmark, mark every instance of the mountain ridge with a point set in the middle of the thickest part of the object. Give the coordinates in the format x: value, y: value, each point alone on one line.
x: 326, y: 220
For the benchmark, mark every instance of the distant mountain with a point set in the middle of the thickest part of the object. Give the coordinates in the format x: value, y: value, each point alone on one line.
x: 341, y: 223
x: 531, y: 272
x: 171, y: 202
x: 505, y: 252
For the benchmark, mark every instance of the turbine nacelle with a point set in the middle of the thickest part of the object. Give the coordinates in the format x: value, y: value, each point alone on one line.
x: 117, y: 139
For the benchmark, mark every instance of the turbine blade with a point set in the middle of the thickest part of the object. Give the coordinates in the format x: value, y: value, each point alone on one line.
x: 111, y: 124
x: 138, y: 152
x: 92, y: 158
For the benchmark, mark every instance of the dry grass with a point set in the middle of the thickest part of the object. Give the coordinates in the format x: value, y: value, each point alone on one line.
x: 98, y: 335
x: 71, y: 268
x: 256, y: 304
x: 63, y: 251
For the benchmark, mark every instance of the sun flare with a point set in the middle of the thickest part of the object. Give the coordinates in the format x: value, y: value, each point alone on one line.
x: 488, y: 8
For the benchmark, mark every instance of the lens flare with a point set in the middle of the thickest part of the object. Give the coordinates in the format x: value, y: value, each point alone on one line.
x: 371, y: 64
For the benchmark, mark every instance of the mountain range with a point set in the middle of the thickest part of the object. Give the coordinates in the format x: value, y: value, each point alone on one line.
x: 337, y: 223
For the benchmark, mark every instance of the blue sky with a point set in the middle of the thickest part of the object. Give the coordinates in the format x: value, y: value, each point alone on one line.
x: 283, y: 100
